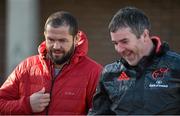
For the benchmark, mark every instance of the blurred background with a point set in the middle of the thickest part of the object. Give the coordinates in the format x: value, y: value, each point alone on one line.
x: 22, y: 23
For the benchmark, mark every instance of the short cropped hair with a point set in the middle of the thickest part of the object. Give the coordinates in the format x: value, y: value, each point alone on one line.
x: 63, y: 18
x: 130, y: 17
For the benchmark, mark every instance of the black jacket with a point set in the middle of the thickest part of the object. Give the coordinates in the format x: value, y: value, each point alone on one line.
x: 151, y: 87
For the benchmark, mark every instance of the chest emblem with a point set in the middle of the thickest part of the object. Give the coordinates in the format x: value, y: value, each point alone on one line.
x: 158, y: 76
x: 160, y: 73
x: 123, y: 76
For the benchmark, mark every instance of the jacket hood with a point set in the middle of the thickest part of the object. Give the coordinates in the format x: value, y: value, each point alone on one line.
x: 160, y: 47
x: 157, y: 41
x: 80, y: 50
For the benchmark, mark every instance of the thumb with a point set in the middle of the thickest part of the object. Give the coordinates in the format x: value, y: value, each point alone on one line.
x: 42, y: 90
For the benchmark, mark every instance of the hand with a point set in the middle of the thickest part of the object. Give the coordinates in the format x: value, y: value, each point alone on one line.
x: 39, y: 100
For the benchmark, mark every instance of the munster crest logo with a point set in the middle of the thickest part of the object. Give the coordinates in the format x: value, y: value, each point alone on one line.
x: 159, y: 73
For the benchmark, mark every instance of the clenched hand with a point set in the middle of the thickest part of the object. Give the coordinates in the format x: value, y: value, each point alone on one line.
x: 39, y: 100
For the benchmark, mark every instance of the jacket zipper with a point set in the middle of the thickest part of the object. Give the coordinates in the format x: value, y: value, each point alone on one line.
x: 52, y: 84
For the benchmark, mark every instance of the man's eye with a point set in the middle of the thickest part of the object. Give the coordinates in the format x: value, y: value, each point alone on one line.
x: 51, y: 40
x: 115, y: 43
x: 124, y: 42
x: 62, y: 40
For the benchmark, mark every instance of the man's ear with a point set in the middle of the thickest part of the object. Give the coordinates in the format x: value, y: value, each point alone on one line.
x: 44, y: 33
x: 145, y: 35
x: 77, y: 39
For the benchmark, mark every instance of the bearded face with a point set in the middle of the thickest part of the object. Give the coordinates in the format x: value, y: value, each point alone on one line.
x: 60, y: 56
x: 60, y: 44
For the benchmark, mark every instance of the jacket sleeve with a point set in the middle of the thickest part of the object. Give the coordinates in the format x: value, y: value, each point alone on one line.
x: 101, y: 101
x: 92, y: 83
x: 10, y: 100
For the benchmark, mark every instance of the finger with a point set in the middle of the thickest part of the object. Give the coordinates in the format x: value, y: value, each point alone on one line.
x: 45, y: 96
x: 42, y: 90
x: 44, y: 100
x: 43, y: 105
x: 41, y: 108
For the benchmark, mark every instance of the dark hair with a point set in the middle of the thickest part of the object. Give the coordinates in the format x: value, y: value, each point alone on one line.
x: 63, y: 18
x: 130, y: 17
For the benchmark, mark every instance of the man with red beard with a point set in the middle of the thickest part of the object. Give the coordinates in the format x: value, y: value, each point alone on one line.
x: 60, y: 80
x: 146, y: 79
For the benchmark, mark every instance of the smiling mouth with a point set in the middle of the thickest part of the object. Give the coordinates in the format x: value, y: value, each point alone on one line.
x: 127, y: 54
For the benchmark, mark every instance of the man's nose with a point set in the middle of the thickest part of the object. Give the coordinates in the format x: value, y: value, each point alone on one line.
x: 57, y: 45
x: 120, y: 48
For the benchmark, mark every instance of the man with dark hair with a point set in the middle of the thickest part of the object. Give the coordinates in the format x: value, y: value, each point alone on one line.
x: 146, y: 79
x: 60, y: 80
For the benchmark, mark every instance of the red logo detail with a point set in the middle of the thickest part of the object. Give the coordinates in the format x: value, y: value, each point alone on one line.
x: 123, y: 76
x: 159, y: 73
